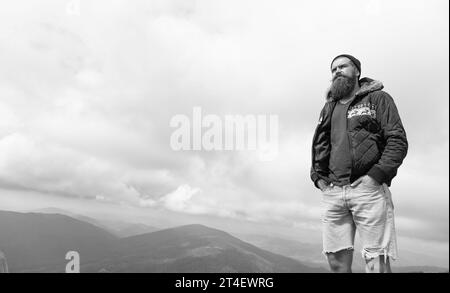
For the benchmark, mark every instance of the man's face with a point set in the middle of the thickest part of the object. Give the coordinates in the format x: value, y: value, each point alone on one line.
x: 344, y: 78
x: 343, y: 67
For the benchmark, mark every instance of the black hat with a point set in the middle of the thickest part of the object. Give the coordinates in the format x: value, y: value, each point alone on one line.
x: 353, y: 59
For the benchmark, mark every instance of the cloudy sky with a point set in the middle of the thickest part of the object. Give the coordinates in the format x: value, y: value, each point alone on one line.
x: 88, y: 89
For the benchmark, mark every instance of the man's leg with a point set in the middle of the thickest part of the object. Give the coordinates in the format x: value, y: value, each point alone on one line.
x: 374, y: 217
x: 338, y: 230
x: 341, y: 261
x: 378, y: 265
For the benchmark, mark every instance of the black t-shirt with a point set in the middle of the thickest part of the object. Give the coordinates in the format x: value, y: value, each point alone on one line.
x: 340, y: 157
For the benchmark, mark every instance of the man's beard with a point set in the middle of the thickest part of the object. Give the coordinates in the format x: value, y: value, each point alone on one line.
x: 342, y: 87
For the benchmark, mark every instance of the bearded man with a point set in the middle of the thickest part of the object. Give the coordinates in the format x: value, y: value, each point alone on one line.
x: 358, y: 145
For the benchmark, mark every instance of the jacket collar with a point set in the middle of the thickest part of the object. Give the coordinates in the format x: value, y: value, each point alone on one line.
x: 368, y: 85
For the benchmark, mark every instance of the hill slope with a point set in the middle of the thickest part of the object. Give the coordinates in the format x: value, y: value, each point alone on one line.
x: 194, y: 248
x: 34, y: 241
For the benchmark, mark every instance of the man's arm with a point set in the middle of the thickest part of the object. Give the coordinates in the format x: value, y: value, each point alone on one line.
x: 321, y: 150
x: 396, y: 146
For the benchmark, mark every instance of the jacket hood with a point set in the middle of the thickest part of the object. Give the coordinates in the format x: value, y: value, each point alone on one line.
x: 367, y: 85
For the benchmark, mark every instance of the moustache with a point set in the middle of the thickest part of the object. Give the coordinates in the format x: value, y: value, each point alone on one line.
x: 340, y: 75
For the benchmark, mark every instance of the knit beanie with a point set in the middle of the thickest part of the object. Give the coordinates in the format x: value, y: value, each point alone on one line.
x: 353, y: 59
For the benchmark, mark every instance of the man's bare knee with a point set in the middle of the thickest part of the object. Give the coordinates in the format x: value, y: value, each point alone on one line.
x: 340, y: 261
x: 378, y: 264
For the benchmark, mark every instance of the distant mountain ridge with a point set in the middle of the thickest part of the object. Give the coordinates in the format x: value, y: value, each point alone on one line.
x: 118, y: 228
x: 197, y: 248
x: 34, y: 242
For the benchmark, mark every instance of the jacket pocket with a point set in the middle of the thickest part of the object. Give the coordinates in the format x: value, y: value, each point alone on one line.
x: 366, y: 151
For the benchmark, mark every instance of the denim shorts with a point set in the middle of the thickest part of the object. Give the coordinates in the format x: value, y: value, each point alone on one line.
x: 366, y: 208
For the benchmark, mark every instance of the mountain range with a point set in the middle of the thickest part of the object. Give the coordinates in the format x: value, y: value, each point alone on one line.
x: 118, y: 228
x: 37, y: 242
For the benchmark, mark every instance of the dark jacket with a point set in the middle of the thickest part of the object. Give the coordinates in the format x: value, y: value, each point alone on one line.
x: 376, y: 135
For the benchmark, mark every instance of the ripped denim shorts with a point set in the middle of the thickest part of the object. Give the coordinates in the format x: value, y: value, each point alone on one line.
x: 367, y: 208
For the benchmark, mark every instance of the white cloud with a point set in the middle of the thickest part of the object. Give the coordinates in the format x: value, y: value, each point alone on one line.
x: 180, y: 200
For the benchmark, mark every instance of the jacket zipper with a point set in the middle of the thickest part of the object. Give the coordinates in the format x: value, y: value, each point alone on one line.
x: 349, y: 138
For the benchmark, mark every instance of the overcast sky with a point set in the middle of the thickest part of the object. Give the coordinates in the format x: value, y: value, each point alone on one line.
x: 88, y: 88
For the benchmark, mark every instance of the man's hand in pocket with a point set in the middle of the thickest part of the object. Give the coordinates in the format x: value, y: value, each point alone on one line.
x: 323, y: 185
